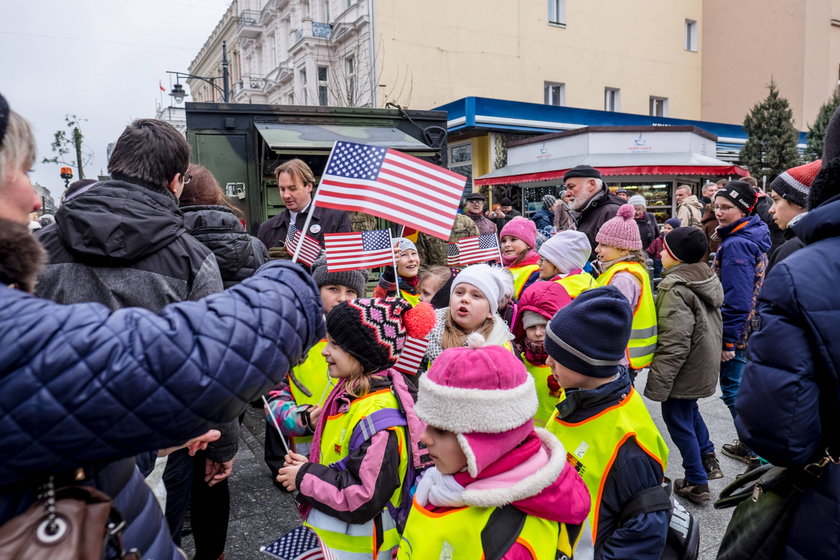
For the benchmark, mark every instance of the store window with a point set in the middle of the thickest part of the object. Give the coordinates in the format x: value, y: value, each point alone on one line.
x: 691, y: 35
x: 554, y: 93
x: 612, y: 99
x: 534, y: 196
x: 460, y: 161
x: 658, y: 196
x: 557, y: 12
x: 658, y: 106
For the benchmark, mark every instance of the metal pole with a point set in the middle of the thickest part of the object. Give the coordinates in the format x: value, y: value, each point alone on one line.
x: 225, y: 91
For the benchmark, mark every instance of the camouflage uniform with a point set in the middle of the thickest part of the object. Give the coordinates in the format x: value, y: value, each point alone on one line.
x: 359, y: 221
x: 432, y: 250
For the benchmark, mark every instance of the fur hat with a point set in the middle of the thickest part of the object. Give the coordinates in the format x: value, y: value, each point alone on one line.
x: 793, y: 184
x: 4, y: 118
x: 741, y: 194
x: 356, y: 280
x: 484, y: 395
x: 567, y: 250
x: 621, y: 231
x: 582, y: 171
x: 374, y: 330
x: 489, y: 279
x: 687, y: 244
x: 575, y: 335
x: 521, y: 228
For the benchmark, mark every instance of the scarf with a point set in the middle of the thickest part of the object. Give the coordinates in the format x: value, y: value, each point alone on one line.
x: 523, y: 259
x: 498, y: 336
x: 534, y: 351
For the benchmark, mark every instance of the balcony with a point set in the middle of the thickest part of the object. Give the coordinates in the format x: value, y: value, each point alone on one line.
x: 249, y: 24
x: 311, y: 29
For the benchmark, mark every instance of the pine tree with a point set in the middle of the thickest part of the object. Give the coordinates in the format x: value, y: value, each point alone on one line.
x: 816, y: 132
x: 771, y: 145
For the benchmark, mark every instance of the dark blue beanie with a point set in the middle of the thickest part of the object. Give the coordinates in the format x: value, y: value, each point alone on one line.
x: 590, y: 335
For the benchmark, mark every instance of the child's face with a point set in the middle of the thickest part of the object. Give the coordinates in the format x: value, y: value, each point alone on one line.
x: 468, y: 307
x: 667, y: 260
x: 408, y: 263
x: 333, y: 294
x: 429, y: 287
x: 666, y: 229
x: 607, y: 253
x: 570, y: 379
x: 726, y: 212
x: 340, y: 363
x: 512, y: 246
x: 783, y: 211
x: 547, y: 269
x: 444, y: 450
x: 535, y: 333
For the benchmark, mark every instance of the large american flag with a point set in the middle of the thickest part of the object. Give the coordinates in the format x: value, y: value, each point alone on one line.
x: 364, y: 249
x: 298, y: 544
x: 411, y: 355
x: 480, y: 248
x: 391, y: 185
x: 309, y: 252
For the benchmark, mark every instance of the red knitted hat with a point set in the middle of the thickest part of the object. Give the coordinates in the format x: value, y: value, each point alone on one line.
x: 793, y: 185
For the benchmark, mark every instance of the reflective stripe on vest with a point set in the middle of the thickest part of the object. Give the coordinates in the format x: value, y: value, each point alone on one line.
x: 520, y: 276
x: 412, y: 299
x: 456, y: 534
x: 335, y: 443
x: 546, y: 401
x: 592, y: 445
x: 313, y: 374
x: 642, y: 343
x: 577, y: 283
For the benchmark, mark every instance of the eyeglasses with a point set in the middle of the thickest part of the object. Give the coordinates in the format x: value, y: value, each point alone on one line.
x: 187, y: 178
x: 723, y: 208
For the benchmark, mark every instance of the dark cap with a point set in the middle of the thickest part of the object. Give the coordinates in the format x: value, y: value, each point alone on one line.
x: 740, y: 193
x: 687, y: 244
x: 582, y: 171
x: 476, y: 196
x: 505, y: 202
x: 4, y: 118
x: 621, y: 190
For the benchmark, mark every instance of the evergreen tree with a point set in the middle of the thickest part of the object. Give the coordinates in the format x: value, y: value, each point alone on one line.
x: 771, y: 145
x: 816, y: 132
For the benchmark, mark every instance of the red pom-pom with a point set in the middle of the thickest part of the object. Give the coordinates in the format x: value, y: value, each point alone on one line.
x: 419, y: 320
x: 626, y: 211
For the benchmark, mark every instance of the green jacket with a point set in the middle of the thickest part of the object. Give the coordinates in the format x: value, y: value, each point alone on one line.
x: 432, y: 251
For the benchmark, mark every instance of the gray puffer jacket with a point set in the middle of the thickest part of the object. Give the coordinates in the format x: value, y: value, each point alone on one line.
x: 685, y: 365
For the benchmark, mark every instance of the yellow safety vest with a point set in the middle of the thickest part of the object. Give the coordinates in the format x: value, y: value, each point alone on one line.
x: 547, y: 402
x: 313, y: 374
x: 412, y: 299
x: 592, y: 445
x: 335, y: 444
x: 577, y: 283
x: 643, y: 337
x: 456, y: 534
x: 520, y: 276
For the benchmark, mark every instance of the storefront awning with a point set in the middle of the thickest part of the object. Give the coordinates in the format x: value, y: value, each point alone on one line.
x: 611, y: 165
x: 308, y: 138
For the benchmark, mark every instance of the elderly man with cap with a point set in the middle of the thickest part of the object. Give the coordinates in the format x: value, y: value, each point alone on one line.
x: 590, y: 201
x: 475, y: 210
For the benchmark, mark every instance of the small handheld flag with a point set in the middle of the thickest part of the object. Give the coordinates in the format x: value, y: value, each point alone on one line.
x: 480, y: 248
x: 310, y: 249
x: 411, y: 355
x: 363, y: 249
x: 300, y: 543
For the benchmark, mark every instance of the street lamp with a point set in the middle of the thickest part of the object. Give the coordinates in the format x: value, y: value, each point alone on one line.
x: 178, y: 94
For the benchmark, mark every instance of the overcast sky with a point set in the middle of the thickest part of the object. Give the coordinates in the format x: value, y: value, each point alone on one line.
x: 99, y: 59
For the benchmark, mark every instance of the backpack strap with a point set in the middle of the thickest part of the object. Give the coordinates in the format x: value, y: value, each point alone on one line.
x: 375, y: 422
x: 651, y: 499
x: 502, y: 530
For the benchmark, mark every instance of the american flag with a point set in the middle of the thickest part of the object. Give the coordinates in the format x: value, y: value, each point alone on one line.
x: 452, y: 254
x: 298, y: 544
x: 391, y: 185
x: 311, y: 249
x: 411, y: 355
x: 480, y: 248
x: 364, y: 249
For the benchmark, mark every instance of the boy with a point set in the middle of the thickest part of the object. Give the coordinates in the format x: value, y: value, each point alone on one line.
x: 604, y: 425
x: 684, y: 366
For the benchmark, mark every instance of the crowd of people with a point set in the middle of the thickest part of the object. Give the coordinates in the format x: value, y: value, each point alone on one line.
x: 140, y: 323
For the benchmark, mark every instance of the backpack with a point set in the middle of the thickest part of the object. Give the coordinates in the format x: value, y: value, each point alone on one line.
x: 683, y: 541
x: 693, y: 219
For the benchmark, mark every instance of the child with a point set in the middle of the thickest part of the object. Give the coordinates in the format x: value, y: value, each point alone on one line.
x: 296, y: 402
x: 408, y: 267
x: 432, y: 281
x: 500, y: 488
x: 621, y: 262
x: 355, y: 474
x: 684, y: 367
x: 563, y: 258
x: 603, y: 423
x: 537, y: 306
x: 655, y: 248
x: 474, y: 300
x: 518, y: 240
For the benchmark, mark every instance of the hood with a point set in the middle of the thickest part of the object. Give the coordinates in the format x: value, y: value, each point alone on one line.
x: 218, y: 228
x: 542, y: 297
x: 751, y: 228
x: 697, y: 277
x: 692, y: 201
x: 820, y: 223
x: 116, y: 222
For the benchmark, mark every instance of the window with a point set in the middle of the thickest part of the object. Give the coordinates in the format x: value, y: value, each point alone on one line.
x: 557, y: 12
x: 460, y: 161
x: 272, y: 57
x: 690, y: 35
x: 304, y: 93
x: 350, y: 79
x: 658, y: 106
x: 612, y: 99
x: 554, y: 93
x: 323, y: 91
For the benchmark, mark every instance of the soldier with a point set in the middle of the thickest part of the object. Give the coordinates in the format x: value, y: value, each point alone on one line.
x: 432, y: 250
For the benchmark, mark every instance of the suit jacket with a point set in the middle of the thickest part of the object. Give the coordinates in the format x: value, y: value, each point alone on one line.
x: 325, y: 220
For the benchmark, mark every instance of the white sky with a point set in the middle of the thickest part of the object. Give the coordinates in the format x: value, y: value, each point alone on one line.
x: 99, y: 59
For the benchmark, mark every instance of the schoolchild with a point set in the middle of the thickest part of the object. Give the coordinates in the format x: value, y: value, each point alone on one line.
x: 408, y: 268
x: 654, y: 250
x: 500, y: 487
x: 603, y: 423
x: 353, y: 482
x: 432, y: 281
x: 563, y: 259
x: 517, y: 242
x: 685, y: 364
x: 296, y: 402
x: 621, y: 262
x: 539, y: 302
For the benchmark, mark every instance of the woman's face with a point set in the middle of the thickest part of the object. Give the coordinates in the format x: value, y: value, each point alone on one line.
x: 468, y: 307
x: 17, y: 197
x: 333, y: 294
x: 512, y: 246
x: 408, y: 263
x: 444, y: 450
x: 340, y: 363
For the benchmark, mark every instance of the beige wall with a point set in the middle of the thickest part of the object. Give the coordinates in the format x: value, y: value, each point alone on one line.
x: 749, y: 41
x: 432, y: 52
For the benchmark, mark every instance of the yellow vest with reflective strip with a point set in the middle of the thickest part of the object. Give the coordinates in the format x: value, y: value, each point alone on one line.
x: 456, y: 534
x: 577, y: 283
x: 643, y: 336
x: 592, y: 445
x: 546, y: 401
x: 520, y: 276
x: 412, y: 299
x: 313, y: 374
x: 335, y: 444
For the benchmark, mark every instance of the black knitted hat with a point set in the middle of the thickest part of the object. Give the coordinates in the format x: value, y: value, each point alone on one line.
x: 4, y: 118
x: 687, y: 244
x: 582, y: 171
x: 741, y: 194
x: 356, y: 280
x: 827, y: 183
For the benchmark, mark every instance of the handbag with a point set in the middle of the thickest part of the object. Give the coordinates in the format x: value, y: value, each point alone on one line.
x: 766, y: 501
x: 69, y: 523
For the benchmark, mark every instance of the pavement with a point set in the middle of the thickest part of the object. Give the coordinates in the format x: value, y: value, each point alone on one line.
x: 260, y: 512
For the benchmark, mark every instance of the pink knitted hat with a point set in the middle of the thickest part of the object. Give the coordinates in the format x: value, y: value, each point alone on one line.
x: 484, y: 395
x: 621, y: 231
x: 521, y: 228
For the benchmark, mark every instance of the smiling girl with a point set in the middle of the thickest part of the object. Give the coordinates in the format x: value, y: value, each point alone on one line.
x: 518, y: 239
x: 408, y: 267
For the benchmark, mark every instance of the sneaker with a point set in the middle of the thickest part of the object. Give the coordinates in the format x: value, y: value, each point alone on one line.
x: 697, y: 493
x: 737, y: 451
x: 712, y: 466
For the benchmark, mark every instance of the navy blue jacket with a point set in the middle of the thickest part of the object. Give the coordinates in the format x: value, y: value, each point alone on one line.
x: 789, y: 401
x: 740, y: 263
x: 543, y: 219
x: 82, y: 386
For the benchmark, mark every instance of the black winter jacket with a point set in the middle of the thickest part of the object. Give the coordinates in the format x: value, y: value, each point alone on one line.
x: 600, y: 208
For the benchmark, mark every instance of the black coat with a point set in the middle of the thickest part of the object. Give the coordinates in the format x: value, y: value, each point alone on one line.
x: 325, y: 220
x: 598, y: 210
x: 648, y: 229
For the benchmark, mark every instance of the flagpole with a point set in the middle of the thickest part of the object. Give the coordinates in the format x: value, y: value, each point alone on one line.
x: 312, y: 207
x: 499, y: 249
x: 276, y: 425
x: 394, y: 260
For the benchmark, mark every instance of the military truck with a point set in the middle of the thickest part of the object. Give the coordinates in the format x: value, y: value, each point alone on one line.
x: 242, y: 144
